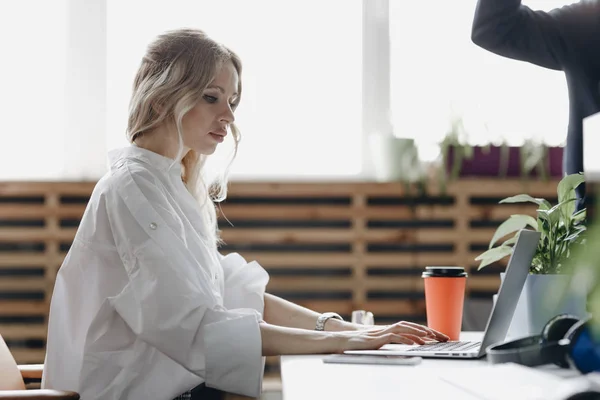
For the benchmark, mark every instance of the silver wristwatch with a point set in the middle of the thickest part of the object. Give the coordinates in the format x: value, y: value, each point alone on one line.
x: 323, y: 318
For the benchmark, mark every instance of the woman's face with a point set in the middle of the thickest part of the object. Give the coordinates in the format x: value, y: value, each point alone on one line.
x: 206, y: 125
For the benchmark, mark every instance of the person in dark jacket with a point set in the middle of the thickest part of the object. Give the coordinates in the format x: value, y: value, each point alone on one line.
x: 565, y: 39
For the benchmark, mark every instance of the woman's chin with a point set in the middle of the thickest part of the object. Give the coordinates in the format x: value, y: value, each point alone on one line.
x: 207, y: 150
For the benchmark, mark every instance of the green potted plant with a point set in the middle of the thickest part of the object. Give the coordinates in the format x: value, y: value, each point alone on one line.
x: 459, y: 159
x: 454, y: 149
x: 562, y: 230
x: 534, y: 156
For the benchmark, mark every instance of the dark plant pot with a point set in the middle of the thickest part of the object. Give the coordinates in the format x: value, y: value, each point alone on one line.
x: 487, y: 162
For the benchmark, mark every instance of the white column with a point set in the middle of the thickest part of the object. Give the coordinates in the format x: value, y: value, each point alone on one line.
x: 85, y: 104
x: 376, y: 75
x: 591, y: 144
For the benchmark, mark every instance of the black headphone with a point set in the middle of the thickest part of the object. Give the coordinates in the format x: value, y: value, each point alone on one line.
x: 566, y: 341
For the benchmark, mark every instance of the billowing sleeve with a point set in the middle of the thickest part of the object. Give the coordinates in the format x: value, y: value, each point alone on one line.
x: 548, y: 39
x: 169, y: 301
x: 245, y: 283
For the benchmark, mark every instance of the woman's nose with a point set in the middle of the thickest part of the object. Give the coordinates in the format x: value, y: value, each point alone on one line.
x: 228, y: 116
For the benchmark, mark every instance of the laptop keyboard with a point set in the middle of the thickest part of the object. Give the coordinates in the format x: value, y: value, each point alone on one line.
x: 447, y: 346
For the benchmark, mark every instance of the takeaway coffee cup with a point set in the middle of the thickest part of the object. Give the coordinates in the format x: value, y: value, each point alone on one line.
x: 444, y: 299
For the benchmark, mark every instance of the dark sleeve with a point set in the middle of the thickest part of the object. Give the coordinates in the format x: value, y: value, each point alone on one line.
x: 547, y: 39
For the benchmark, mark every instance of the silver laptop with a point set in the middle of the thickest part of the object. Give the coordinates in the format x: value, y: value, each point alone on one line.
x: 500, y: 317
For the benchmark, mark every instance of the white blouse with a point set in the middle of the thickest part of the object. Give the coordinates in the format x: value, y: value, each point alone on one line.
x: 142, y: 308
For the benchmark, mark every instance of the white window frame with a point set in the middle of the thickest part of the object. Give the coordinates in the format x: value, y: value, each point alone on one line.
x: 376, y: 78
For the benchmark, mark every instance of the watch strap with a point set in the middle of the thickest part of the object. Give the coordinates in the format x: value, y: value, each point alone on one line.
x: 322, y: 319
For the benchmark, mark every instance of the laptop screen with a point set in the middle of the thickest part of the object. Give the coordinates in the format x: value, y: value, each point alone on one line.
x: 510, y: 289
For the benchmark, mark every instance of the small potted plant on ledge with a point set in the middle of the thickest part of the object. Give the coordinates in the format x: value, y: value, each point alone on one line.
x: 562, y: 229
x: 533, y: 159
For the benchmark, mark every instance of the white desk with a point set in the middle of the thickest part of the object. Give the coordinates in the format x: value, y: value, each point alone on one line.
x: 307, y: 377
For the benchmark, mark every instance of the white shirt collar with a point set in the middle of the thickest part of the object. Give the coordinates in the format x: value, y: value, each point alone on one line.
x: 165, y: 164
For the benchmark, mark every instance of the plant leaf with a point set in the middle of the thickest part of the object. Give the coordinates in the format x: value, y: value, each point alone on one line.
x: 524, y: 198
x: 566, y: 208
x: 534, y: 155
x: 575, y: 234
x: 469, y: 152
x: 552, y: 216
x: 579, y: 216
x: 566, y: 190
x: 511, y: 240
x: 493, y: 255
x: 513, y: 224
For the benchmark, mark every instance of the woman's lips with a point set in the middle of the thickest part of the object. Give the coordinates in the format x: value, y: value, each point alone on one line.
x: 218, y: 137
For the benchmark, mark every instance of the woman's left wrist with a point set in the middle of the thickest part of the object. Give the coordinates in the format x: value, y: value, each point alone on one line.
x: 336, y: 325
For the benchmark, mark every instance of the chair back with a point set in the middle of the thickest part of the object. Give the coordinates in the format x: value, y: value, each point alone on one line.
x: 10, y: 376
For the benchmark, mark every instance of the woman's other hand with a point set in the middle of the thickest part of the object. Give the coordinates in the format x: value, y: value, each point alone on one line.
x: 377, y: 336
x: 412, y: 329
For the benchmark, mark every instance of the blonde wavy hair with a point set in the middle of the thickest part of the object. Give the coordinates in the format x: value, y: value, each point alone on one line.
x: 174, y: 72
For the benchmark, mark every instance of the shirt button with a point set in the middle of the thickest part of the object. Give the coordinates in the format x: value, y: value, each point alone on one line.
x: 153, y: 226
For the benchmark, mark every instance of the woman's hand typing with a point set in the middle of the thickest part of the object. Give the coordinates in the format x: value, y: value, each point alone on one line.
x: 278, y: 340
x: 410, y: 328
x: 376, y: 336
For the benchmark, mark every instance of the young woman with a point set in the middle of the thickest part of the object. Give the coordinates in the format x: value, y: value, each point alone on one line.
x: 144, y: 306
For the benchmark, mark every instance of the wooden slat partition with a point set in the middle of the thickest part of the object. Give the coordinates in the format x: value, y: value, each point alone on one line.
x: 328, y: 246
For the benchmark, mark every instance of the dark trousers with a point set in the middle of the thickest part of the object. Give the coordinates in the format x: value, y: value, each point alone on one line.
x: 201, y: 392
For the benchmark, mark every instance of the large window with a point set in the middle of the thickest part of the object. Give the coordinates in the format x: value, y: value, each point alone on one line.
x: 33, y: 46
x: 319, y: 76
x: 437, y: 74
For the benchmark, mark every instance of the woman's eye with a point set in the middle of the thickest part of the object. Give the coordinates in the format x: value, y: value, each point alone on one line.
x: 210, y: 99
x: 233, y: 106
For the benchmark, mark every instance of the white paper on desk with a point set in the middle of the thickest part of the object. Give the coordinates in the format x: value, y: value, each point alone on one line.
x: 335, y: 381
x: 516, y: 382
